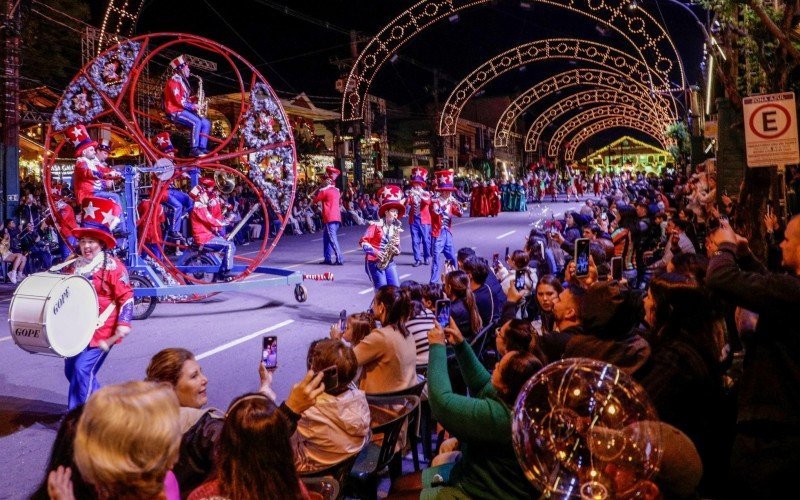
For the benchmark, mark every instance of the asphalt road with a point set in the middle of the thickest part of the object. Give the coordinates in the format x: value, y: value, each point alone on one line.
x: 224, y: 332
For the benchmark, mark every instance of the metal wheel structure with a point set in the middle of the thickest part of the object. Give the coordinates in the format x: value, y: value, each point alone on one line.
x: 258, y: 150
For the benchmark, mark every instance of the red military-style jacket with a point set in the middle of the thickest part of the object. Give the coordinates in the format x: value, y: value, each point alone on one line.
x: 423, y: 207
x: 330, y: 198
x: 89, y: 176
x: 442, y: 214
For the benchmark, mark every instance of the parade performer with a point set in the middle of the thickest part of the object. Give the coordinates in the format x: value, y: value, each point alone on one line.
x: 66, y: 220
x: 552, y: 185
x: 419, y: 216
x: 381, y: 241
x: 178, y: 200
x: 110, y: 280
x: 206, y: 228
x: 569, y: 182
x: 475, y: 201
x: 182, y: 108
x: 445, y: 206
x: 90, y: 176
x: 521, y: 197
x: 597, y: 183
x: 151, y: 233
x: 494, y: 199
x: 505, y: 195
x: 330, y: 198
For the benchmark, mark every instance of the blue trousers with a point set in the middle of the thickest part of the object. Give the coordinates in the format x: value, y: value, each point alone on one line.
x: 421, y: 240
x: 444, y: 245
x: 180, y: 204
x: 330, y: 244
x: 200, y: 127
x: 382, y: 277
x: 81, y: 372
x: 218, y: 244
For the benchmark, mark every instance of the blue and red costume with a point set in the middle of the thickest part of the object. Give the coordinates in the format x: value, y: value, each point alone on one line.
x: 330, y: 198
x: 181, y: 108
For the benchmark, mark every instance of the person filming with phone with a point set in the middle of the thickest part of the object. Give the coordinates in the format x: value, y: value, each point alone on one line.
x: 768, y: 424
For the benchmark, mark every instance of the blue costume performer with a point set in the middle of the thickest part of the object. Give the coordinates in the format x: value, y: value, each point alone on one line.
x: 381, y: 241
x: 443, y: 208
x: 419, y: 216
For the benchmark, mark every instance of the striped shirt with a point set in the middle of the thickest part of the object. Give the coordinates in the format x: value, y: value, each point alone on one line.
x: 419, y: 327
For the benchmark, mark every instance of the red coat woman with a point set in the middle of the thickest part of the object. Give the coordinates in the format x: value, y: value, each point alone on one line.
x: 494, y: 199
x: 476, y: 201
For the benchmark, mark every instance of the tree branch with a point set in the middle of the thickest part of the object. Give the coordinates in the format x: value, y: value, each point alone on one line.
x: 773, y: 28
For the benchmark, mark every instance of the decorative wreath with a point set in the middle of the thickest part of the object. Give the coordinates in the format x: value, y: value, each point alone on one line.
x: 81, y: 103
x: 273, y: 173
x: 111, y: 69
x: 263, y: 122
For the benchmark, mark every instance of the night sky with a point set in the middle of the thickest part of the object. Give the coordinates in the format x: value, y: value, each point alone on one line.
x: 293, y: 52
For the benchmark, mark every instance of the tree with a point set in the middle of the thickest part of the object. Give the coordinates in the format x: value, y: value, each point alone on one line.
x: 759, y: 57
x: 51, y: 43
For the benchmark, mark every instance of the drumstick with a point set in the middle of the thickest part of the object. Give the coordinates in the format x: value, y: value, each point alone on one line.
x: 107, y: 343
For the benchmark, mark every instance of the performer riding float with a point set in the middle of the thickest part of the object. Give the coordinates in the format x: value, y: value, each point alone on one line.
x: 182, y: 108
x: 330, y: 198
x: 443, y: 208
x: 381, y: 241
x: 207, y: 229
x: 110, y: 279
x: 178, y: 200
x: 419, y: 216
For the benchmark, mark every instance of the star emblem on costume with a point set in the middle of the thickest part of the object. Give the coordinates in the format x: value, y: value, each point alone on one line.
x: 386, y: 191
x: 161, y: 141
x: 76, y: 132
x: 176, y: 91
x: 89, y: 210
x: 109, y: 218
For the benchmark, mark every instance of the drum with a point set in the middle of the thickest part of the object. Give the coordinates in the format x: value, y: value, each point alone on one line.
x: 53, y: 314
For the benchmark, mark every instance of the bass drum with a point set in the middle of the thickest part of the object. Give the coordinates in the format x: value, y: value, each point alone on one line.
x: 53, y: 314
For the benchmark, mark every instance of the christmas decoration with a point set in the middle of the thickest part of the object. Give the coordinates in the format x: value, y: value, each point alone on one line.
x: 80, y: 104
x: 111, y: 69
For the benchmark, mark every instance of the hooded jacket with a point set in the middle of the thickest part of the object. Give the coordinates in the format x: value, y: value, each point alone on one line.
x: 335, y: 428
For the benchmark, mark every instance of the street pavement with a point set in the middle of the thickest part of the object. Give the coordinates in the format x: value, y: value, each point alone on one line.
x: 224, y: 332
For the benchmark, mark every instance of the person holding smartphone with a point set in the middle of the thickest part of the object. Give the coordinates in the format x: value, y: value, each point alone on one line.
x: 337, y: 426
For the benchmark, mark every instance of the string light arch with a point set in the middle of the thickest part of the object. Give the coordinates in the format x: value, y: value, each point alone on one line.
x: 647, y: 37
x: 586, y: 99
x: 614, y: 122
x: 549, y: 49
x: 593, y: 114
x: 582, y: 77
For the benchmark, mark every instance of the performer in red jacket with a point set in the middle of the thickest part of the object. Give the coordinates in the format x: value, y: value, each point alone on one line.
x: 493, y: 195
x: 475, y: 200
x: 445, y: 207
x: 206, y: 228
x: 381, y: 241
x: 418, y: 202
x: 181, y: 107
x: 330, y: 198
x: 110, y: 280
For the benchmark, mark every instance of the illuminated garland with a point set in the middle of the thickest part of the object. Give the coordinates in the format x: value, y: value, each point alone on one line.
x: 553, y: 48
x: 273, y: 173
x: 582, y: 119
x: 111, y: 70
x: 635, y: 25
x: 80, y: 104
x: 585, y: 99
x: 575, y: 78
x: 608, y: 123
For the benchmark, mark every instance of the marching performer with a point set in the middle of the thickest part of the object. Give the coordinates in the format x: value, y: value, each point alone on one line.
x: 493, y: 194
x: 381, y: 241
x: 91, y: 176
x: 115, y: 296
x: 419, y: 216
x: 65, y: 219
x: 181, y: 107
x: 443, y: 208
x: 207, y: 229
x: 330, y: 198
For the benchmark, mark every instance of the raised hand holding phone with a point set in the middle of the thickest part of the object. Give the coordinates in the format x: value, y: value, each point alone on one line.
x: 581, y: 257
x: 443, y: 312
x: 269, y: 353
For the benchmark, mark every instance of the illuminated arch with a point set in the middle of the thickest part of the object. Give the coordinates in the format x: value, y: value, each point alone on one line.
x: 593, y: 114
x: 574, y: 78
x: 553, y: 48
x: 585, y: 99
x: 609, y: 123
x: 637, y: 26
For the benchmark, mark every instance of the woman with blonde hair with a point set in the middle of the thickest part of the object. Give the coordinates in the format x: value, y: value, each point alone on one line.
x: 127, y: 441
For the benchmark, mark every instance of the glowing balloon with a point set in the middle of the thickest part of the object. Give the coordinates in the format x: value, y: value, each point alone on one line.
x: 581, y: 431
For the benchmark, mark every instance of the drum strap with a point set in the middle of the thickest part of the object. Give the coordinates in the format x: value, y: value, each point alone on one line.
x: 106, y: 312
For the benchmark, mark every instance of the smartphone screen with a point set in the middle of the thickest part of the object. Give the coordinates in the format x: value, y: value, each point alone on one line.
x: 616, y: 268
x: 330, y: 377
x: 342, y: 320
x: 506, y: 253
x: 519, y: 280
x: 443, y: 312
x: 269, y: 355
x: 581, y: 257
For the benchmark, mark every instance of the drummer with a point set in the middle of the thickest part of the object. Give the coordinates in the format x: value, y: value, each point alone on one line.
x: 110, y: 279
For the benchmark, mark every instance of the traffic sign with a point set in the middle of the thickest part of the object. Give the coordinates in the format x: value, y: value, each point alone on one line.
x: 770, y: 130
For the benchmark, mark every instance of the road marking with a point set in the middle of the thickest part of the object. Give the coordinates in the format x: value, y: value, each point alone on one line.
x: 403, y: 276
x: 506, y: 234
x: 366, y: 291
x: 317, y: 239
x: 241, y: 340
x: 5, y: 338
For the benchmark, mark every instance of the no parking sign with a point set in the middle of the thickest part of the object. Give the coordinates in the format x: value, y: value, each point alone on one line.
x: 770, y: 130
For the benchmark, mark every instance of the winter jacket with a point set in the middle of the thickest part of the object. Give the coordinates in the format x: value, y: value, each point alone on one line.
x: 335, y: 428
